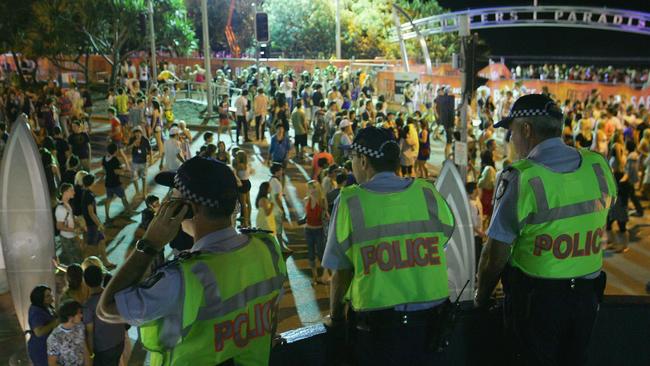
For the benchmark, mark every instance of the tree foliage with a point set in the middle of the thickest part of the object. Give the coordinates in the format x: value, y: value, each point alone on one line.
x: 301, y: 27
x: 306, y: 28
x: 66, y: 30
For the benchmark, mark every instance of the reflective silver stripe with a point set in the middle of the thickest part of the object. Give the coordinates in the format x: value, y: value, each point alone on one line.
x: 215, y: 307
x: 600, y: 176
x: 361, y: 233
x: 211, y: 292
x: 207, y: 278
x: 540, y: 194
x: 275, y: 257
x: 240, y: 299
x: 567, y: 211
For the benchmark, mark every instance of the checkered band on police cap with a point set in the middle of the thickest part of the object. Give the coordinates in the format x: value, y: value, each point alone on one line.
x: 529, y: 113
x: 188, y: 194
x: 371, y: 141
x: 366, y: 150
x: 531, y: 105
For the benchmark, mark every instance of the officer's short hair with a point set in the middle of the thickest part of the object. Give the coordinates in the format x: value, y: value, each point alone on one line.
x: 544, y: 127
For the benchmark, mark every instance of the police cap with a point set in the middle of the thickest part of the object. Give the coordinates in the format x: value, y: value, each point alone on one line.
x: 204, y: 181
x: 373, y: 142
x: 531, y: 105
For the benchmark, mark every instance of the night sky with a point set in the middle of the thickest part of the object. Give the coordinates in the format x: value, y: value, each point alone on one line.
x: 563, y: 42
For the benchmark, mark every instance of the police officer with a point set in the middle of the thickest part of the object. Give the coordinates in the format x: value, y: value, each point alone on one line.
x: 386, y: 248
x: 217, y: 302
x: 545, y: 238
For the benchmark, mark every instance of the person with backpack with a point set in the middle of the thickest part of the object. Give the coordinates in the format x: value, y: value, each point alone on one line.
x: 65, y: 226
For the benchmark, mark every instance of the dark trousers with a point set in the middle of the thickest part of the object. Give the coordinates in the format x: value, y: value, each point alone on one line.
x: 259, y: 127
x: 387, y: 338
x: 109, y: 357
x: 549, y: 321
x: 242, y: 123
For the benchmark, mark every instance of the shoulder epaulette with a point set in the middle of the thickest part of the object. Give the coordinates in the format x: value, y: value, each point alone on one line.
x: 180, y: 257
x: 254, y: 230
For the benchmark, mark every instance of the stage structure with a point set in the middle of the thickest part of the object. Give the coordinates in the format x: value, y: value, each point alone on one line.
x: 26, y: 219
x: 585, y: 17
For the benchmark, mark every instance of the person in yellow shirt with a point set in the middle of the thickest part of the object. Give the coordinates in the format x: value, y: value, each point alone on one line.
x: 122, y: 107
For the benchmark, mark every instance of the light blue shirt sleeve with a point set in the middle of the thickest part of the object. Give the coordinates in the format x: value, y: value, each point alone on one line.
x: 334, y: 256
x: 156, y: 297
x: 504, y: 225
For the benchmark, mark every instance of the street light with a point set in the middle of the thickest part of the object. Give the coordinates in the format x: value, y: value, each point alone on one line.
x: 152, y: 42
x: 337, y: 3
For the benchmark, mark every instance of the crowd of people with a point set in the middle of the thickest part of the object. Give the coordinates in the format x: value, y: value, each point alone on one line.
x: 312, y: 118
x: 72, y: 333
x: 610, y: 75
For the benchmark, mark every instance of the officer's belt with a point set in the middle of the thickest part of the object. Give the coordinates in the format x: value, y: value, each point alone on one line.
x: 545, y: 214
x: 390, y: 318
x: 557, y: 285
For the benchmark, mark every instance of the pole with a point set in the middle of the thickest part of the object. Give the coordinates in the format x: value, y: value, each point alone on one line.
x: 402, y: 45
x: 257, y: 42
x: 465, y: 93
x: 338, y: 28
x: 421, y: 39
x: 152, y: 42
x: 206, y: 56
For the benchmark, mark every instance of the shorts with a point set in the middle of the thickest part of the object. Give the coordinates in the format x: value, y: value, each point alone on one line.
x: 245, y: 186
x: 124, y: 119
x: 114, y: 191
x: 301, y: 140
x: 70, y: 251
x: 93, y: 235
x: 139, y: 170
x: 449, y: 134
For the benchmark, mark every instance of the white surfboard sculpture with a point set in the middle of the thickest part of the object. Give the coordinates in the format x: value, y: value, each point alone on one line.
x: 26, y: 221
x: 460, y: 250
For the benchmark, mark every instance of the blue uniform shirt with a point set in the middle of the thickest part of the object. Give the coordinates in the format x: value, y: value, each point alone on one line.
x: 160, y: 295
x: 335, y: 258
x: 551, y: 153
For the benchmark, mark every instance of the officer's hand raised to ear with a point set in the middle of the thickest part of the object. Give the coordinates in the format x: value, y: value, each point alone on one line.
x: 165, y: 225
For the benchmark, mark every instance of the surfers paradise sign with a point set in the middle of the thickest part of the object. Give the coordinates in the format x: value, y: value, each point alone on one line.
x: 532, y: 16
